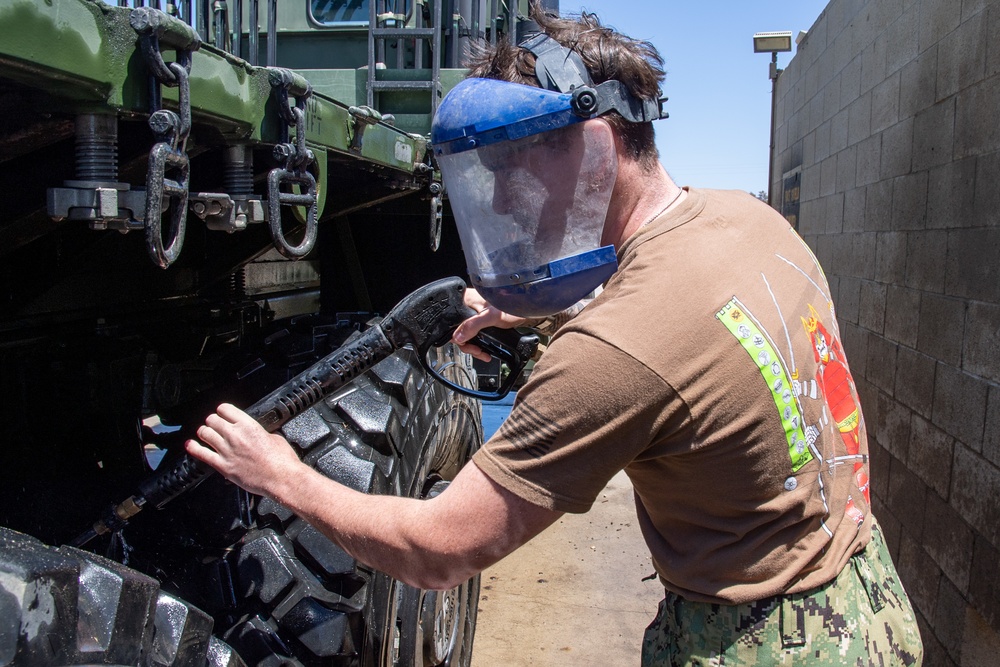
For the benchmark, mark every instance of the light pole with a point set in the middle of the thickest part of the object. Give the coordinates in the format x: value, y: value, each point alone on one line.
x: 773, y: 43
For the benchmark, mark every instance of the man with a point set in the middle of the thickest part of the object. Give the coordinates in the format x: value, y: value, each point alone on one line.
x: 709, y: 368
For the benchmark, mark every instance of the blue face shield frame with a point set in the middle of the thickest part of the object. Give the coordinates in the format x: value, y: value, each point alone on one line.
x: 530, y: 184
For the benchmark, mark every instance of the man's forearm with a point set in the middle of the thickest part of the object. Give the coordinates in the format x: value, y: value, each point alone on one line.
x: 395, y: 535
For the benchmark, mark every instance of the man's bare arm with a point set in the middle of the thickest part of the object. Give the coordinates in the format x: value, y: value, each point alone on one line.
x: 433, y: 544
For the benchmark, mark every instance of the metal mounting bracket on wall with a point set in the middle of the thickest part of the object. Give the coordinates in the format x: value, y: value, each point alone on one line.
x: 169, y: 167
x: 297, y: 159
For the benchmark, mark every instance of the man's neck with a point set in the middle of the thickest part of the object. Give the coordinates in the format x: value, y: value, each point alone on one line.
x: 640, y: 196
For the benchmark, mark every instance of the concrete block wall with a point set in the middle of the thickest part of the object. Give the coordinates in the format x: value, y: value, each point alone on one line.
x: 890, y: 109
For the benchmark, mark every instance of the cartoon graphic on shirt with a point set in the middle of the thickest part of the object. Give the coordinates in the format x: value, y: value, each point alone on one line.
x: 837, y: 385
x: 829, y: 382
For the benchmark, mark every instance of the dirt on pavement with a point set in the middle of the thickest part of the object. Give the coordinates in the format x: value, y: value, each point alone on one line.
x: 575, y: 596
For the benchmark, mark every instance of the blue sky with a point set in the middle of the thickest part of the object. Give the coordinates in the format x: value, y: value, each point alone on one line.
x: 718, y: 132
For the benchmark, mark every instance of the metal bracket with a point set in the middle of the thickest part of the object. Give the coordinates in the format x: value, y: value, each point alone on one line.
x: 364, y: 117
x: 297, y: 159
x: 437, y: 206
x: 169, y: 167
x: 223, y: 213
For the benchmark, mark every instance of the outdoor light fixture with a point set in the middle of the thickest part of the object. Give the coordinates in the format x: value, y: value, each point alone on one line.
x: 773, y: 43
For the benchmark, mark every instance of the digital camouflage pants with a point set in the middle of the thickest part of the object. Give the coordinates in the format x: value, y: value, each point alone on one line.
x: 863, y: 617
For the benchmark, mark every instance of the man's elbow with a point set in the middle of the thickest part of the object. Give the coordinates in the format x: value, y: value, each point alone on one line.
x: 442, y: 572
x: 439, y: 579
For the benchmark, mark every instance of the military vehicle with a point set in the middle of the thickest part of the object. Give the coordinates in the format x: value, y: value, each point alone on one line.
x: 199, y: 200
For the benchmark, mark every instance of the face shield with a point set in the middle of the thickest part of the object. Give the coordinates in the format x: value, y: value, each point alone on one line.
x: 530, y: 193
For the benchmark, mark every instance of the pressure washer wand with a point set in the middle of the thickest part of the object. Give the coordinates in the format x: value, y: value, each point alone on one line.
x: 424, y: 319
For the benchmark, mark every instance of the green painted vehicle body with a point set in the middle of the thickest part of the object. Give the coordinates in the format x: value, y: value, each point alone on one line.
x: 191, y: 213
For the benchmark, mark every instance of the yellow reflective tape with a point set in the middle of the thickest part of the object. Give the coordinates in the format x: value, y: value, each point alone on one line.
x: 735, y: 317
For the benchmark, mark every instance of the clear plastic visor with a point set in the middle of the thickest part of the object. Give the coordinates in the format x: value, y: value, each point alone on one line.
x: 522, y: 204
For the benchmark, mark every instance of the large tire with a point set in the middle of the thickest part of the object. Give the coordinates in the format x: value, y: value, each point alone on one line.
x: 280, y: 593
x: 299, y: 599
x: 69, y: 607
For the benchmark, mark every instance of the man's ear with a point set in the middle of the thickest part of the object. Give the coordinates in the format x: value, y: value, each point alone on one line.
x: 599, y: 131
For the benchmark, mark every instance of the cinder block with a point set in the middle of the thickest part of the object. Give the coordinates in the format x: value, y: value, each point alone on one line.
x: 975, y: 493
x: 848, y: 299
x: 991, y: 433
x: 972, y: 39
x: 931, y: 452
x: 942, y: 328
x: 915, y: 376
x: 885, y: 104
x: 878, y: 205
x: 986, y: 201
x: 816, y: 118
x: 897, y: 149
x: 863, y: 254
x: 982, y: 340
x: 949, y: 617
x: 950, y: 541
x: 883, y: 14
x: 970, y: 8
x: 871, y: 312
x: 869, y: 154
x: 991, y: 17
x: 854, y: 209
x: 934, y: 653
x: 976, y: 128
x: 909, y: 201
x: 926, y: 253
x: 833, y: 213
x: 810, y: 189
x: 984, y: 581
x: 892, y: 427
x: 839, y: 130
x: 934, y: 135
x: 890, y: 258
x: 949, y: 54
x: 918, y: 572
x: 855, y: 340
x: 902, y: 315
x: 828, y: 176
x: 960, y: 406
x: 901, y: 47
x: 952, y: 203
x: 881, y: 363
x: 847, y: 169
x: 973, y: 268
x: 879, y: 460
x: 873, y: 62
x: 937, y: 19
x: 831, y: 99
x: 918, y: 83
x: 980, y: 643
x: 859, y: 124
x: 850, y: 81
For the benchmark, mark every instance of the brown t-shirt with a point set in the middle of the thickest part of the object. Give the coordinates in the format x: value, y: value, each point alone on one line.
x: 710, y: 369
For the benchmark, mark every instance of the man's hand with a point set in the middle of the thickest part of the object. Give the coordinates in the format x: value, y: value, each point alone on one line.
x: 245, y: 453
x: 486, y: 316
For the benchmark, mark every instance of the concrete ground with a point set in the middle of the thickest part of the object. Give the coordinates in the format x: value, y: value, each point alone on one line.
x: 574, y: 596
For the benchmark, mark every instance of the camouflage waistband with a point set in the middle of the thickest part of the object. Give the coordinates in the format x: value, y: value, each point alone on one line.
x: 862, y: 617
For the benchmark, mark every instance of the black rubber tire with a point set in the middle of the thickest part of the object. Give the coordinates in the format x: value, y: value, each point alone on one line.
x: 301, y: 600
x: 69, y: 607
x: 290, y: 596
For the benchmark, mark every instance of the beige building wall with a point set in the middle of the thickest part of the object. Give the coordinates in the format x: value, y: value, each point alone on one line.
x: 888, y: 155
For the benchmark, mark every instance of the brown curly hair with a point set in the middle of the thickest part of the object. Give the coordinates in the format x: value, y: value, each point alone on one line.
x: 606, y: 53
